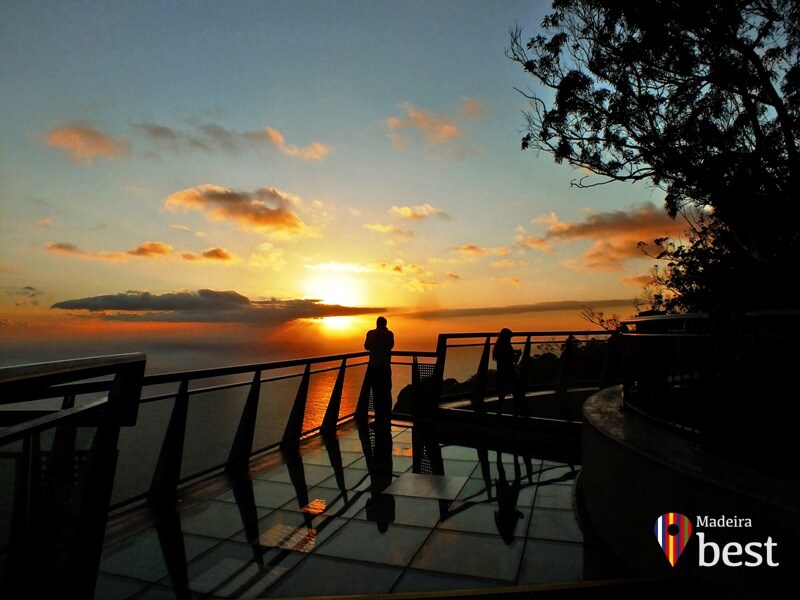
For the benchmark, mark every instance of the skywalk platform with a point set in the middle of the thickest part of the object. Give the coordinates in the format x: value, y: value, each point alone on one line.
x: 313, y: 524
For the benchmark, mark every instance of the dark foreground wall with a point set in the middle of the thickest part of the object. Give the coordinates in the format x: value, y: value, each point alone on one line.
x: 635, y: 470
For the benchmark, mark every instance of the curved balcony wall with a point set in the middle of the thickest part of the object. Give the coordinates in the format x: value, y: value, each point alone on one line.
x: 636, y: 470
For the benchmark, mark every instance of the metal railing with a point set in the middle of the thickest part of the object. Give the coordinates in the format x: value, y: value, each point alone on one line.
x: 728, y: 382
x: 548, y: 360
x: 195, y: 423
x: 64, y: 463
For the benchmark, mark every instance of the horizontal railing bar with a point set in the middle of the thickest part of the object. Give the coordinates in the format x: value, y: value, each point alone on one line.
x: 88, y: 367
x: 425, y: 354
x: 17, y: 432
x: 525, y: 333
x: 249, y: 368
x: 666, y: 334
x: 227, y: 386
x: 152, y: 380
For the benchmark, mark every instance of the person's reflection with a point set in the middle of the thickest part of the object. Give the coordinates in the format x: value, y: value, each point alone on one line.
x: 507, y: 513
x: 376, y: 443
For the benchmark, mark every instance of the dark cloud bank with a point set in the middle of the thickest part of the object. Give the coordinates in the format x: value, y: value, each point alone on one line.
x: 207, y: 306
x: 211, y: 306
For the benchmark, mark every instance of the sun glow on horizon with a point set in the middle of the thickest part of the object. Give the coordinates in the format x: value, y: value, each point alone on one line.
x: 339, y: 325
x: 335, y: 288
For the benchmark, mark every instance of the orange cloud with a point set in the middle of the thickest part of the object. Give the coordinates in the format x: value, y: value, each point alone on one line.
x: 266, y: 210
x: 616, y: 235
x: 436, y: 129
x: 605, y: 255
x: 643, y: 222
x: 211, y: 254
x: 475, y: 250
x: 150, y: 249
x: 418, y: 213
x: 143, y: 250
x: 85, y: 143
x: 314, y: 151
x: 440, y: 132
x: 399, y: 267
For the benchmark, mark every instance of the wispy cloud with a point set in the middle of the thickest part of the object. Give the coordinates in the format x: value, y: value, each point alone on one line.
x: 206, y: 306
x: 616, y: 235
x: 639, y: 281
x: 469, y: 108
x: 26, y: 295
x: 84, y: 143
x: 266, y: 210
x: 474, y: 250
x: 435, y: 128
x: 314, y: 151
x: 440, y: 131
x: 512, y: 281
x: 143, y: 250
x: 267, y: 256
x: 212, y: 138
x: 418, y: 213
x: 504, y: 263
x: 399, y: 267
x: 570, y: 305
x: 45, y: 223
x: 415, y: 277
x: 389, y: 229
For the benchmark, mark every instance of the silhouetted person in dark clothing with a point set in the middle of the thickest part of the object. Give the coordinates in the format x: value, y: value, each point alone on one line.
x: 379, y: 343
x: 506, y: 357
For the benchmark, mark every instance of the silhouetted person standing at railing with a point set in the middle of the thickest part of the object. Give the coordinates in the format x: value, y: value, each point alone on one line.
x: 506, y: 358
x: 379, y: 343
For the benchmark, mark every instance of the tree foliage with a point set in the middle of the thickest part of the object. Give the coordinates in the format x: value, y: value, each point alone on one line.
x: 697, y: 98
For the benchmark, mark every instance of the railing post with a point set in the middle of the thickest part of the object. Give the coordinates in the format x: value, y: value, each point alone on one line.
x: 564, y: 375
x: 294, y: 426
x: 239, y: 456
x: 438, y: 370
x: 521, y: 383
x: 331, y: 419
x: 362, y: 407
x: 164, y: 485
x: 97, y: 480
x: 479, y: 393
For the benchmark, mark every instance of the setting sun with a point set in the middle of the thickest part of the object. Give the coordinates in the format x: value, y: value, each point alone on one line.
x: 335, y: 288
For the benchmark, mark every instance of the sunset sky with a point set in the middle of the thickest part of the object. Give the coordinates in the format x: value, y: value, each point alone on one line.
x: 178, y: 166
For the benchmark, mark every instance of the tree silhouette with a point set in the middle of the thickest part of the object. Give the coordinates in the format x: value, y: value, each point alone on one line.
x: 697, y: 98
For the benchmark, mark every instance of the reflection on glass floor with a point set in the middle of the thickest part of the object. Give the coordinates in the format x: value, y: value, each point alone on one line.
x: 359, y: 515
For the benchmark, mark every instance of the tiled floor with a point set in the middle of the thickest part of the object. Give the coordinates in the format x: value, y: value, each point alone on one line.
x: 319, y: 527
